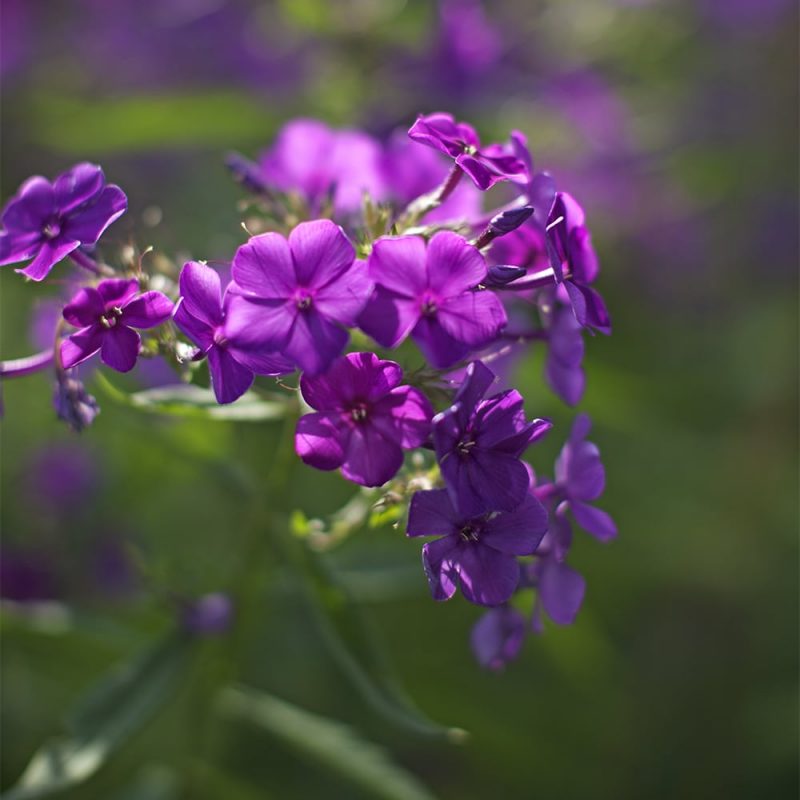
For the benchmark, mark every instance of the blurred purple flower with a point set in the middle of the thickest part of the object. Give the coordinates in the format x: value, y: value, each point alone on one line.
x: 426, y: 291
x: 61, y: 476
x: 46, y: 221
x: 310, y: 158
x: 209, y: 615
x: 485, y: 165
x: 107, y: 316
x: 73, y: 404
x: 299, y: 294
x: 479, y: 443
x: 209, y: 320
x: 497, y: 637
x: 25, y: 576
x: 476, y: 553
x: 364, y: 419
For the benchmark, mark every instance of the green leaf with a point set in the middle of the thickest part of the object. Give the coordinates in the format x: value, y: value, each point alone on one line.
x: 187, y: 400
x: 111, y: 711
x: 325, y: 741
x: 352, y: 642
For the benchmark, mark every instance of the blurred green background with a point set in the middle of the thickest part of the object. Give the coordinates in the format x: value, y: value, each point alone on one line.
x: 675, y: 124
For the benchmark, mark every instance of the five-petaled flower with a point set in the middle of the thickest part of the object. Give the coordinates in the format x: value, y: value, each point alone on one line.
x: 300, y: 294
x: 479, y: 554
x: 479, y: 443
x: 485, y: 165
x: 207, y: 317
x: 364, y: 419
x: 107, y: 316
x: 427, y: 291
x: 47, y: 221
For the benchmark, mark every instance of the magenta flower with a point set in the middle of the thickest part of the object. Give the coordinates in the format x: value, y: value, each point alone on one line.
x: 46, y: 221
x: 107, y: 317
x: 364, y: 420
x: 479, y: 443
x: 310, y: 158
x: 484, y: 165
x: 428, y: 292
x: 581, y: 478
x: 476, y: 553
x: 574, y: 262
x: 207, y: 318
x: 300, y: 294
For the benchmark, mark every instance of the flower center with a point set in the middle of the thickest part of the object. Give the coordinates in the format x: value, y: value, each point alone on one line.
x: 470, y: 532
x: 109, y: 319
x: 303, y: 299
x: 359, y: 412
x: 464, y: 447
x: 428, y: 307
x: 220, y: 340
x: 52, y: 229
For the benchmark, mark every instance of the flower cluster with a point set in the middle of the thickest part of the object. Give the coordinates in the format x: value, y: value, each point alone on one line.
x: 362, y: 248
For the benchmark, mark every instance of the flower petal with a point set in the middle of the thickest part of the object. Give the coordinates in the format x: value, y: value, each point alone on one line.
x: 343, y: 299
x: 120, y: 348
x: 497, y: 637
x: 16, y: 247
x: 321, y: 253
x: 319, y: 441
x: 116, y: 291
x: 50, y: 253
x: 370, y: 458
x: 474, y: 318
x: 201, y: 291
x: 404, y: 415
x: 561, y: 590
x: 147, y: 310
x: 263, y: 267
x: 251, y: 323
x: 594, y: 521
x: 388, y: 317
x: 85, y: 308
x: 32, y: 207
x: 486, y: 577
x: 453, y: 265
x: 77, y: 186
x: 314, y: 342
x: 399, y: 263
x: 517, y: 532
x: 440, y: 348
x: 260, y: 362
x: 81, y: 345
x: 87, y: 224
x: 197, y: 330
x: 229, y: 379
x: 440, y: 568
x: 430, y: 513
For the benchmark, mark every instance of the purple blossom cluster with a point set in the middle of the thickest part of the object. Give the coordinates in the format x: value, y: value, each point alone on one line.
x: 372, y: 244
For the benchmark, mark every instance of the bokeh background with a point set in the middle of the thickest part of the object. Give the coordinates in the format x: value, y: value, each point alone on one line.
x: 675, y: 124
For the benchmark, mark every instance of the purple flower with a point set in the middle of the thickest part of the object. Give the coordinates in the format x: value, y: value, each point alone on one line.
x: 427, y: 292
x: 580, y: 478
x: 208, y: 319
x: 574, y: 262
x: 310, y: 158
x: 485, y: 166
x: 209, y: 615
x: 300, y: 293
x: 497, y: 637
x: 73, y: 404
x: 364, y: 419
x: 479, y: 443
x: 107, y: 317
x: 477, y: 553
x: 46, y: 221
x: 560, y: 588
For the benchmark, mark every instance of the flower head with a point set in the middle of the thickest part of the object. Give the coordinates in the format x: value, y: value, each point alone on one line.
x: 485, y: 165
x: 46, y: 221
x: 497, y: 637
x: 479, y: 443
x: 364, y: 419
x: 107, y: 316
x: 207, y: 318
x: 427, y: 291
x: 300, y: 293
x: 73, y: 404
x: 477, y: 554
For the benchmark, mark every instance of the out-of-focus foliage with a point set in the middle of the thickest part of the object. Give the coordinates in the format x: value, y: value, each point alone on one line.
x: 675, y: 124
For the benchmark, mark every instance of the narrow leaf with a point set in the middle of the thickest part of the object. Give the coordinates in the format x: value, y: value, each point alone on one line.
x: 325, y: 741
